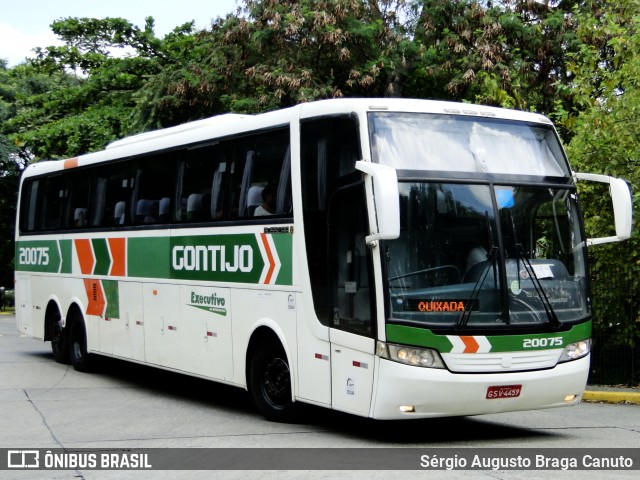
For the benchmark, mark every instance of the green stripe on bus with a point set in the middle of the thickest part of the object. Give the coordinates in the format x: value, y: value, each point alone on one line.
x: 224, y: 258
x: 510, y: 343
x: 420, y: 337
x: 66, y: 251
x: 417, y: 337
x: 148, y: 257
x: 235, y: 258
x: 37, y: 256
x: 110, y: 288
x: 101, y: 252
x: 283, y: 243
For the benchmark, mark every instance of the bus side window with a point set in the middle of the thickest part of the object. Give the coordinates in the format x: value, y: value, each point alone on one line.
x: 154, y: 188
x: 29, y: 207
x: 201, y: 180
x: 54, y: 198
x: 111, y: 195
x: 260, y: 177
x: 78, y: 201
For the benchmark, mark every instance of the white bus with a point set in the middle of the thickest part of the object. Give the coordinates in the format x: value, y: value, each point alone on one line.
x: 390, y: 258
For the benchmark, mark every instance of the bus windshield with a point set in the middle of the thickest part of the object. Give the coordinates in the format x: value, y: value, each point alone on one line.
x: 477, y: 145
x: 486, y: 256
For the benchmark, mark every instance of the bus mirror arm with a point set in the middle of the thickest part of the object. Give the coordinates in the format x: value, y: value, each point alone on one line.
x: 622, y: 206
x: 386, y: 200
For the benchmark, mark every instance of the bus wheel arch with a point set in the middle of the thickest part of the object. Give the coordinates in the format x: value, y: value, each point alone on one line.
x: 56, y: 332
x: 79, y: 357
x: 269, y: 376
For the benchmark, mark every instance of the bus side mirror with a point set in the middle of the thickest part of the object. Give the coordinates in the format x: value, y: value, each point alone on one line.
x: 622, y: 206
x: 386, y: 200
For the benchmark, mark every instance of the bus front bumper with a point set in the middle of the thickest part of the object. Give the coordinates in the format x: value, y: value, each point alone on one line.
x: 405, y: 392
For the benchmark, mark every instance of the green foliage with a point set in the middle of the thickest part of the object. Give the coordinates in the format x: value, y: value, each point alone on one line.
x: 279, y: 54
x: 89, y: 96
x: 9, y: 177
x: 10, y: 169
x: 604, y: 132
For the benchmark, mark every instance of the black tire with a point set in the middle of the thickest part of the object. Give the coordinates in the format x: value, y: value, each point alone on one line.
x: 59, y: 339
x: 80, y: 359
x: 270, y: 384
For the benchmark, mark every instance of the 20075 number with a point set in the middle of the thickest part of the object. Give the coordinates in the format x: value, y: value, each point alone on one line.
x: 542, y: 342
x: 33, y: 256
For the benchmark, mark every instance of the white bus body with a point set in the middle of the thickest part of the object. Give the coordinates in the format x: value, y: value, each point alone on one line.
x: 353, y: 294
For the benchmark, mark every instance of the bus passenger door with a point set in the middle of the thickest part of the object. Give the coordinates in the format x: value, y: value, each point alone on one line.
x: 351, y: 290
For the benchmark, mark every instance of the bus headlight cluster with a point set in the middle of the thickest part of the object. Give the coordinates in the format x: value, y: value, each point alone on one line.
x: 418, y: 357
x: 576, y: 350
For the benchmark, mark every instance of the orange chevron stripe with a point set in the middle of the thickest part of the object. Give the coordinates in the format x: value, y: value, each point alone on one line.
x: 470, y: 343
x: 118, y: 247
x: 272, y: 263
x: 85, y: 256
x: 96, y: 298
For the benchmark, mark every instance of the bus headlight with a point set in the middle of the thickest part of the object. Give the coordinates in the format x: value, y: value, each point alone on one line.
x: 418, y: 357
x: 576, y: 350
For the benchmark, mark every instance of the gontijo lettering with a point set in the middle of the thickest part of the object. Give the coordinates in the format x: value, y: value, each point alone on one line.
x: 212, y: 258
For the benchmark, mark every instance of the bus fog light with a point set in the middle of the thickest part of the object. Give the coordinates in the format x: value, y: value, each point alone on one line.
x: 569, y: 398
x: 419, y: 357
x: 576, y: 350
x: 407, y: 409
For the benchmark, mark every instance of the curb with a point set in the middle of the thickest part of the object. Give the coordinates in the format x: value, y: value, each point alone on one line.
x: 611, y: 397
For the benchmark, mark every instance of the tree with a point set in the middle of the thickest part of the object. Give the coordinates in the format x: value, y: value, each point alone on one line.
x: 91, y: 98
x: 10, y: 169
x: 279, y: 53
x: 604, y: 139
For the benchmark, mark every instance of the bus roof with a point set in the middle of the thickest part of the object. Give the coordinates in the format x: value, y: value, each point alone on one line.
x: 229, y: 124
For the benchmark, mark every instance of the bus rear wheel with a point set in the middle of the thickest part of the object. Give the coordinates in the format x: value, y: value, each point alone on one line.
x: 80, y: 359
x: 270, y: 384
x: 59, y: 340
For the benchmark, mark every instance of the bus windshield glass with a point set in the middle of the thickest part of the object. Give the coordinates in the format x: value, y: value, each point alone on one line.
x: 477, y: 145
x: 486, y: 256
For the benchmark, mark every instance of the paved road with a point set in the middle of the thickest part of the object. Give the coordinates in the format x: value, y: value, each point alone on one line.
x: 47, y: 405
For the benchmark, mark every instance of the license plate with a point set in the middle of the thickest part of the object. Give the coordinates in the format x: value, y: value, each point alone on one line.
x: 504, y: 391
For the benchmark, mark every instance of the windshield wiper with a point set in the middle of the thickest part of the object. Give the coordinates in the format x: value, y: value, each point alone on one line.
x: 520, y: 255
x: 491, y: 262
x: 492, y: 255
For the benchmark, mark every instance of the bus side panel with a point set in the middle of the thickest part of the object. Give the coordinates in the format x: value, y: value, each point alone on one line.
x: 128, y: 328
x: 162, y: 324
x: 352, y: 372
x: 314, y: 356
x: 40, y: 290
x: 23, y: 305
x: 205, y: 319
x: 255, y: 308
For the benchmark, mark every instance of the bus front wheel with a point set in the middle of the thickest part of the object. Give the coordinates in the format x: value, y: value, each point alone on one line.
x: 270, y: 384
